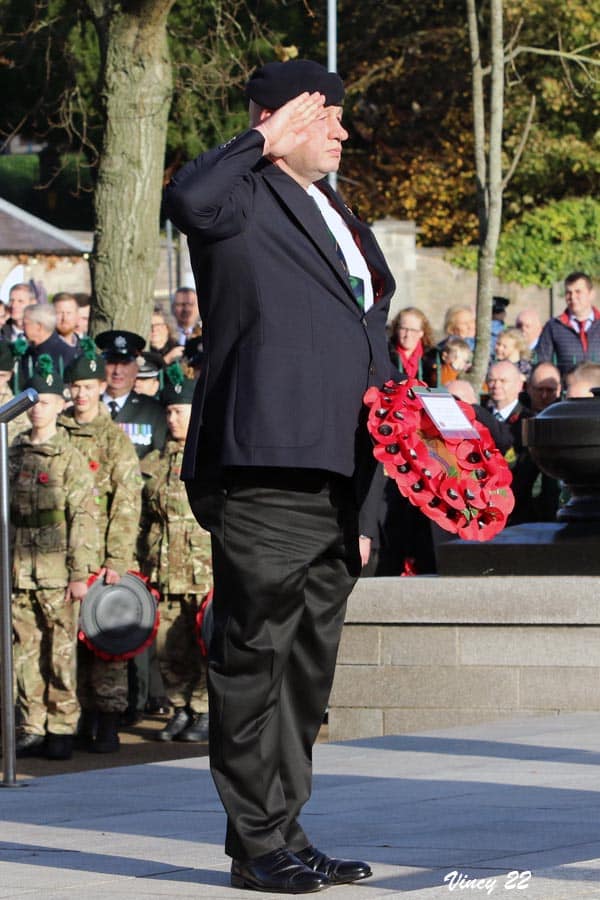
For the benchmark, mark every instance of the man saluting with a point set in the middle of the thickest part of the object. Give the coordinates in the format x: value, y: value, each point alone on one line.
x: 294, y: 295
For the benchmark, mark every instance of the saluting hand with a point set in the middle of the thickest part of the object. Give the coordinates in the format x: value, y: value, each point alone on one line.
x: 284, y: 129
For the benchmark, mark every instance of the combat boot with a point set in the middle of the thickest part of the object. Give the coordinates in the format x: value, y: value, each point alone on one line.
x: 87, y: 727
x: 107, y: 735
x: 176, y: 724
x: 197, y: 730
x: 59, y: 746
x: 29, y: 744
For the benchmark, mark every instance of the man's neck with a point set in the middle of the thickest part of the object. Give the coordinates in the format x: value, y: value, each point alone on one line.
x: 43, y: 435
x: 88, y: 416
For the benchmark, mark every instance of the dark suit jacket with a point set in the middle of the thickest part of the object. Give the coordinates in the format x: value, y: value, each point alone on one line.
x: 143, y: 421
x: 288, y: 354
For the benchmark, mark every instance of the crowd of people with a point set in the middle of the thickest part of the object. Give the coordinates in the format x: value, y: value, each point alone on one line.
x: 95, y: 493
x: 95, y: 469
x: 532, y: 364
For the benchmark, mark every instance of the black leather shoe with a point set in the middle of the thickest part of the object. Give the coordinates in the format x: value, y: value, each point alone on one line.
x: 29, y: 744
x: 337, y: 871
x: 277, y: 872
x: 197, y: 730
x: 176, y: 724
x: 59, y: 746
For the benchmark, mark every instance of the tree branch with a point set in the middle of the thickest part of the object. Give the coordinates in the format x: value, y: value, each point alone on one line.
x: 521, y: 146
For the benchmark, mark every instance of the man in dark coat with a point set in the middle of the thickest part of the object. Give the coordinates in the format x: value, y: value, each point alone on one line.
x: 294, y: 295
x: 142, y: 418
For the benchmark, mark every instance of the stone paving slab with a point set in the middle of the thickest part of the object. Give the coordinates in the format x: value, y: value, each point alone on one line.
x: 508, y: 809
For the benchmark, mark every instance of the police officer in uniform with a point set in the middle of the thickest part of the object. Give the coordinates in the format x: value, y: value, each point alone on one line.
x: 141, y: 418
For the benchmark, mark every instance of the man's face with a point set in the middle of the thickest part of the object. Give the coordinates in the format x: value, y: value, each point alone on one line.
x: 529, y: 325
x: 120, y: 377
x: 34, y: 331
x: 147, y: 386
x: 463, y: 324
x: 178, y: 420
x: 45, y: 411
x: 544, y: 387
x: 83, y: 319
x: 67, y: 316
x: 579, y: 298
x: 504, y: 384
x: 18, y: 300
x: 86, y: 394
x: 185, y: 308
x: 321, y: 152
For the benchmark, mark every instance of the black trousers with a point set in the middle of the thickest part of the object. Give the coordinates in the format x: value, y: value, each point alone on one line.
x: 285, y: 558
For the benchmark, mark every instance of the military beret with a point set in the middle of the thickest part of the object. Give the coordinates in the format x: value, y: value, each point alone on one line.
x: 45, y: 380
x: 86, y: 366
x: 177, y: 389
x: 275, y: 83
x: 7, y: 359
x: 120, y: 345
x: 150, y: 364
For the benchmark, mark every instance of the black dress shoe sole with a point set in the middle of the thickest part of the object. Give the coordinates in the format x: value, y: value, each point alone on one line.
x: 333, y: 880
x: 238, y: 881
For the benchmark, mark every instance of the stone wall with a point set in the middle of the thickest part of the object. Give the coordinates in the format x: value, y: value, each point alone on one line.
x: 424, y: 652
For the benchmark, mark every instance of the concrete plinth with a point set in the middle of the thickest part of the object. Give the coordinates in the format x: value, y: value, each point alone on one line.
x: 533, y: 548
x: 424, y: 652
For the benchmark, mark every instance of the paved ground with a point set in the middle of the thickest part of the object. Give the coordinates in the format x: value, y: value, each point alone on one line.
x: 511, y: 809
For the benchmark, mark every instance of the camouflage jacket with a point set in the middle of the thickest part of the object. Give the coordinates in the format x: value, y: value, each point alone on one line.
x: 20, y: 423
x: 177, y: 558
x: 53, y: 514
x: 113, y: 462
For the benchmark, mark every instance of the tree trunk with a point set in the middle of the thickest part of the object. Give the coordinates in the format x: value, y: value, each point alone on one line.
x: 136, y: 85
x: 488, y: 161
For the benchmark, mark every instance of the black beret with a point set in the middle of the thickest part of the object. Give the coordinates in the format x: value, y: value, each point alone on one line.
x: 499, y: 304
x: 88, y: 365
x: 277, y: 82
x: 120, y: 345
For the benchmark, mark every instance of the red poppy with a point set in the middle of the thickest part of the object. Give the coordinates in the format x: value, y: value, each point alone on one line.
x: 94, y: 466
x: 462, y: 485
x: 43, y: 478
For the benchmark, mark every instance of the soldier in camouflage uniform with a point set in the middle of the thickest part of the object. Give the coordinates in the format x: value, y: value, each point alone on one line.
x: 55, y: 549
x: 178, y: 563
x: 113, y: 462
x: 7, y: 362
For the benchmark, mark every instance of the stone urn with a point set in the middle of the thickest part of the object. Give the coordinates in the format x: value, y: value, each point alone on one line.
x: 564, y: 441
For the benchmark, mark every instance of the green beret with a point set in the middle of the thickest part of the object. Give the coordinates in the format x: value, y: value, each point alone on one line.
x: 45, y: 380
x: 177, y: 388
x: 88, y: 365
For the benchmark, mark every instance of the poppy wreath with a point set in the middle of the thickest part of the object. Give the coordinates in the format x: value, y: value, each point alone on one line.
x: 118, y: 657
x: 202, y: 629
x: 462, y: 484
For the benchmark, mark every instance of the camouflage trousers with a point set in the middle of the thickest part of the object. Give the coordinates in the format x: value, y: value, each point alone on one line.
x: 45, y: 630
x: 181, y: 663
x: 101, y: 684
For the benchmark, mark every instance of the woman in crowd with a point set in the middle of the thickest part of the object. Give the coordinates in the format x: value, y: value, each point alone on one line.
x: 411, y: 337
x: 163, y: 336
